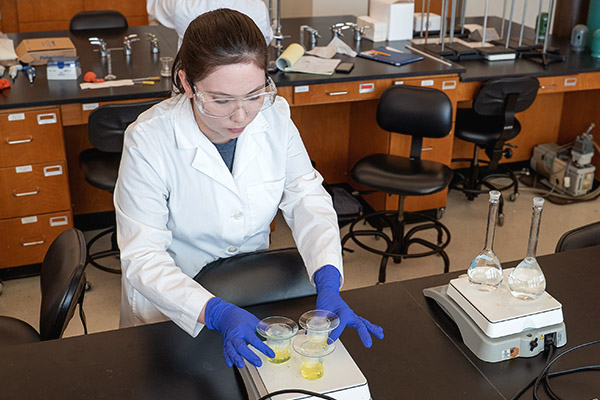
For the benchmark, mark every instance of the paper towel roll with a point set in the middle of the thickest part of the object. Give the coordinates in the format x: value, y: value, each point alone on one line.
x: 289, y: 57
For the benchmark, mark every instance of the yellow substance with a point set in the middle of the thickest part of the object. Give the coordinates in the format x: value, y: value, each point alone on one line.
x: 281, y: 355
x: 312, y: 370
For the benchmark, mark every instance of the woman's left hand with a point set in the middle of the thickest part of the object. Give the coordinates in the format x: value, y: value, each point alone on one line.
x: 327, y: 282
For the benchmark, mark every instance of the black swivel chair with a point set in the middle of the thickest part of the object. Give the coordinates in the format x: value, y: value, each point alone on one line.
x: 584, y: 236
x: 489, y: 124
x: 96, y: 20
x: 256, y: 278
x: 62, y: 282
x: 419, y: 112
x: 100, y: 165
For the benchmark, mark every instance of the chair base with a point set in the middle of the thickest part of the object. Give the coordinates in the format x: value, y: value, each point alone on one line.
x: 474, y: 185
x: 398, y: 244
x: 93, y: 257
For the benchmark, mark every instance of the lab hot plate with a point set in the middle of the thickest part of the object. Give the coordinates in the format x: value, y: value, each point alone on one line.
x: 495, y: 325
x: 341, y: 380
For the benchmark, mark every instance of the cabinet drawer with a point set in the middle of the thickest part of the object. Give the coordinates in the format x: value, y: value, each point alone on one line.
x: 25, y: 240
x: 338, y: 92
x: 34, y: 189
x: 563, y: 83
x: 30, y: 137
x: 448, y: 84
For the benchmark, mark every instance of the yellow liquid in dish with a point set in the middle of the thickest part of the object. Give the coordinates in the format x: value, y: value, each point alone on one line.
x: 281, y: 355
x: 312, y: 370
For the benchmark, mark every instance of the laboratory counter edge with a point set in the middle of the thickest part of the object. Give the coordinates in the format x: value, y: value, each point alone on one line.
x: 421, y: 356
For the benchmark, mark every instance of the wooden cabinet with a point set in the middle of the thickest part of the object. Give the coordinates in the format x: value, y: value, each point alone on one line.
x: 43, y: 15
x: 35, y: 204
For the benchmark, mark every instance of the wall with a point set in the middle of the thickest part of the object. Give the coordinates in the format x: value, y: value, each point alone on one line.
x: 477, y: 8
x: 317, y: 8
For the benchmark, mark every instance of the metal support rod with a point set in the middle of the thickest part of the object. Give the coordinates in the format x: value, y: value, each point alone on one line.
x: 422, y: 18
x: 463, y: 14
x: 523, y: 17
x: 485, y: 21
x: 512, y: 9
x: 550, y: 16
x: 270, y: 11
x: 427, y: 25
x: 503, y: 19
x: 443, y: 23
x: 452, y: 20
x: 539, y: 22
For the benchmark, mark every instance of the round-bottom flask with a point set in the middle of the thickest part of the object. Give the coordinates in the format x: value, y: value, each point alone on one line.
x: 527, y: 281
x: 485, y: 269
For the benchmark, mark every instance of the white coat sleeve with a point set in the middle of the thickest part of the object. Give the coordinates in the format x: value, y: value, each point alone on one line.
x: 308, y: 209
x: 140, y: 201
x: 163, y: 11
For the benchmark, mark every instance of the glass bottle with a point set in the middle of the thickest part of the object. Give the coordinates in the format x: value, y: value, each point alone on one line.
x: 527, y: 280
x: 485, y: 269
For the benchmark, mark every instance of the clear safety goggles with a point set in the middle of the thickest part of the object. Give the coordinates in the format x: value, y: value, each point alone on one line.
x: 225, y: 107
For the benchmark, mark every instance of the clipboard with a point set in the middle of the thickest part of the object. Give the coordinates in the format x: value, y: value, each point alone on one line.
x: 394, y: 57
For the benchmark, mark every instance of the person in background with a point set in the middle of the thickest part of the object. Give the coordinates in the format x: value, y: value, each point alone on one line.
x: 202, y: 176
x: 177, y: 14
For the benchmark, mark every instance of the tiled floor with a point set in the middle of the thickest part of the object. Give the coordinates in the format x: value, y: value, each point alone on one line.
x: 466, y: 221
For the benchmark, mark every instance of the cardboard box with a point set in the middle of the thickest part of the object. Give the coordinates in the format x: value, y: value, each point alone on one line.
x: 38, y: 51
x: 398, y: 14
x: 63, y: 68
x: 434, y: 22
x: 375, y: 30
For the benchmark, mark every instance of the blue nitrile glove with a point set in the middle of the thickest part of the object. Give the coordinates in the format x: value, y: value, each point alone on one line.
x: 237, y: 327
x: 327, y: 281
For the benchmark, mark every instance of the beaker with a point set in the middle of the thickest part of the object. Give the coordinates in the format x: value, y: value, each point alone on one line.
x: 279, y: 332
x: 317, y: 325
x: 485, y: 269
x: 527, y: 280
x: 166, y: 63
x: 312, y: 353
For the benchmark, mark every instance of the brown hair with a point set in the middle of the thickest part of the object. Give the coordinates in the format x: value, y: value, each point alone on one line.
x: 216, y: 38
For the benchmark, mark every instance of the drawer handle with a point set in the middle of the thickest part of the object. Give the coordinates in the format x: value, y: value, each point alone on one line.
x: 19, y: 141
x: 36, y: 191
x: 429, y: 148
x: 33, y: 243
x: 570, y: 81
x: 337, y: 93
x: 44, y: 119
x: 553, y: 86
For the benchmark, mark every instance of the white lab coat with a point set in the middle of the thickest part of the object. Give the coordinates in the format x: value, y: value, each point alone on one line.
x: 177, y: 14
x: 179, y: 207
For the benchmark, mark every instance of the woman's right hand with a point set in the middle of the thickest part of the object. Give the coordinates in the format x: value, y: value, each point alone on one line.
x: 238, y: 328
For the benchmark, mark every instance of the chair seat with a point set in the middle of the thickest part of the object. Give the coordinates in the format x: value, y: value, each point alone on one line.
x: 482, y: 130
x: 100, y: 168
x: 401, y: 175
x: 14, y: 331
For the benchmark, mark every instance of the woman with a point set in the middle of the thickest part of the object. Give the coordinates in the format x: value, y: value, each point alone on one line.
x: 202, y: 177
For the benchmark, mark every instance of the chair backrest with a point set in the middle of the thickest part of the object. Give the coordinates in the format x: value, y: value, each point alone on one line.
x: 95, y: 20
x: 62, y: 282
x: 416, y: 111
x: 258, y: 277
x: 584, y: 236
x: 107, y: 123
x: 492, y: 97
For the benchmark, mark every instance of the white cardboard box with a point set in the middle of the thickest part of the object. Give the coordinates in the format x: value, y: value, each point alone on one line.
x: 375, y: 30
x: 434, y: 22
x: 398, y: 14
x: 63, y: 68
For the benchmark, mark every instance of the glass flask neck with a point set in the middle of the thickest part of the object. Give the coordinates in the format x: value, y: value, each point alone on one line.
x: 491, y: 225
x: 534, y: 231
